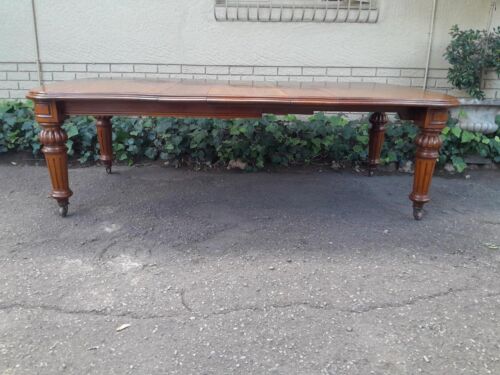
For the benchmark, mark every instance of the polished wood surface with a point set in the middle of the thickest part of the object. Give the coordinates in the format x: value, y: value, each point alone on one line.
x: 428, y: 144
x: 205, y: 91
x: 105, y: 98
x: 53, y: 138
x: 105, y: 139
x: 376, y: 140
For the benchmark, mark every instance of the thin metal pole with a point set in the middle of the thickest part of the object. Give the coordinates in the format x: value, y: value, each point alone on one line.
x: 429, y: 47
x: 493, y: 8
x: 37, y: 47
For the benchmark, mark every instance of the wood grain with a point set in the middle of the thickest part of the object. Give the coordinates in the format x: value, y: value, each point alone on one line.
x: 428, y: 144
x: 104, y: 137
x: 254, y: 93
x: 376, y: 141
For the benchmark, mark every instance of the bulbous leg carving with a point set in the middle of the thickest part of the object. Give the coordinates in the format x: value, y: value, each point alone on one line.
x: 104, y: 136
x: 377, y: 130
x: 428, y: 144
x: 53, y: 139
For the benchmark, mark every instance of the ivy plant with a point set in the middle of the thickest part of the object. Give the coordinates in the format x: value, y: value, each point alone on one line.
x: 270, y: 140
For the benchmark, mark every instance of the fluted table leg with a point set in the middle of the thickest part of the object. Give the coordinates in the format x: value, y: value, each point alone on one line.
x: 378, y: 121
x: 104, y: 136
x: 428, y: 144
x: 53, y: 139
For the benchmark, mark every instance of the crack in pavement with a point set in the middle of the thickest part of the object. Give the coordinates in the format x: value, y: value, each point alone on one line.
x: 369, y: 308
x: 183, y: 301
x: 410, y: 301
x: 104, y: 249
x: 95, y: 312
x: 187, y: 307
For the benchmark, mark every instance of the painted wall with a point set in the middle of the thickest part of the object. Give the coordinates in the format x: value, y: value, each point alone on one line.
x: 181, y: 39
x: 184, y: 31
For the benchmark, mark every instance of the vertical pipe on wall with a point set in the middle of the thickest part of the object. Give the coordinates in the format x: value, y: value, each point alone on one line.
x: 37, y: 48
x: 429, y: 43
x: 493, y: 8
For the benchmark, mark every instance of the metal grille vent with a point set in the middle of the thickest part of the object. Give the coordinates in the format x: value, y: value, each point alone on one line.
x: 360, y: 11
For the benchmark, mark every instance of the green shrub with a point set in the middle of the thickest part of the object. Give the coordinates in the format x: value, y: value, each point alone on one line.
x: 257, y: 142
x: 470, y: 53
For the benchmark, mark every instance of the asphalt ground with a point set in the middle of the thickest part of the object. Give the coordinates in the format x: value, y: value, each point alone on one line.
x: 164, y: 271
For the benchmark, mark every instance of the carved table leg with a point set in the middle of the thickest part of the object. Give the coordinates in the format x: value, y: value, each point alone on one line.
x: 378, y: 121
x: 428, y: 143
x: 53, y: 139
x: 104, y: 136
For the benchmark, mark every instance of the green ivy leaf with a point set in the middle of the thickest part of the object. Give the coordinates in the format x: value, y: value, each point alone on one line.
x: 458, y: 163
x: 456, y: 131
x: 72, y: 131
x: 467, y: 136
x: 151, y: 152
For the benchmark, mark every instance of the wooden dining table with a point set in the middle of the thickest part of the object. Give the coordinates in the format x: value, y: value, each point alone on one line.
x: 104, y: 98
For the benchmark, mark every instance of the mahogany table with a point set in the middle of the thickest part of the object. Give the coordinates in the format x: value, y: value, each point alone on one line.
x: 104, y: 98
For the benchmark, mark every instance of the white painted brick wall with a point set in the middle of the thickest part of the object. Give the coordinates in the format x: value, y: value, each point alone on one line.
x: 301, y: 79
x: 388, y: 72
x: 75, y: 67
x: 26, y: 67
x: 402, y: 81
x: 276, y: 78
x: 6, y: 67
x: 217, y: 69
x: 52, y: 68
x: 98, y: 68
x: 313, y: 71
x: 17, y: 78
x: 169, y: 68
x: 122, y: 68
x: 9, y: 85
x: 289, y: 71
x: 350, y: 79
x: 413, y: 73
x: 144, y: 68
x: 326, y: 79
x: 241, y: 70
x: 364, y: 72
x: 63, y: 76
x: 46, y: 76
x: 339, y: 72
x: 193, y: 69
x: 265, y: 70
x: 110, y: 75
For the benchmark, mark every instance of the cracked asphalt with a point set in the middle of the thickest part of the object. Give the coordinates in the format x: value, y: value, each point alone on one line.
x: 164, y: 271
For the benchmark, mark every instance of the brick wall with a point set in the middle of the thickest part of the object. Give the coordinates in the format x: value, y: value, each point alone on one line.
x: 17, y: 78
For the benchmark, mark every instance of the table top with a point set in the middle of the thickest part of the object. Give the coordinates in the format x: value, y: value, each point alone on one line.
x: 209, y: 91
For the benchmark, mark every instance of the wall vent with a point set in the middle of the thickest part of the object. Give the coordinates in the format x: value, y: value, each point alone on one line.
x: 340, y: 11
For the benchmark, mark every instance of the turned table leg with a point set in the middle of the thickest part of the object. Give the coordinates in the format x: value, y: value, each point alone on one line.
x: 428, y: 143
x: 53, y: 139
x: 378, y: 121
x: 104, y: 136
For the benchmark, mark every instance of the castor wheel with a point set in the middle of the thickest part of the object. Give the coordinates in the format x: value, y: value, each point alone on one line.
x: 108, y: 169
x: 418, y: 213
x: 63, y: 210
